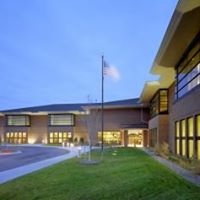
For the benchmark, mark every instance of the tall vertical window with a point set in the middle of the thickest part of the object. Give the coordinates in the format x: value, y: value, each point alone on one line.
x: 187, y: 137
x: 18, y: 120
x: 159, y: 103
x: 188, y: 69
x: 190, y: 123
x: 183, y: 137
x: 61, y: 120
x: 198, y: 135
x: 177, y: 137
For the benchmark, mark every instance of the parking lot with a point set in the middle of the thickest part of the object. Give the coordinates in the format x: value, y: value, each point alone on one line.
x: 28, y: 155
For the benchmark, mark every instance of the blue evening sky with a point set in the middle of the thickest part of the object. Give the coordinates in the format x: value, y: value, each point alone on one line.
x: 50, y: 50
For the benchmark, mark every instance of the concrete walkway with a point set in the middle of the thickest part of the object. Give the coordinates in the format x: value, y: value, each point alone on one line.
x: 186, y: 174
x: 26, y: 169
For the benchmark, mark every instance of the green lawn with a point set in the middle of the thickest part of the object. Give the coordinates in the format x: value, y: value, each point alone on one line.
x: 125, y: 173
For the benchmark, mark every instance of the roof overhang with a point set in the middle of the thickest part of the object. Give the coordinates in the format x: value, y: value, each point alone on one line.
x: 107, y: 107
x: 183, y: 27
x: 150, y: 88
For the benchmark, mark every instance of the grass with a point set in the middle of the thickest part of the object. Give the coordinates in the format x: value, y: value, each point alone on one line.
x: 125, y: 173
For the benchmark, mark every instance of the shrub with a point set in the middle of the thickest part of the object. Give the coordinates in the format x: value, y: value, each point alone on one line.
x: 162, y: 150
x: 195, y: 166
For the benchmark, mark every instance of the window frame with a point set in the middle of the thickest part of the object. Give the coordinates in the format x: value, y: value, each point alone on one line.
x: 185, y: 61
x: 60, y: 125
x: 157, y: 101
x: 25, y: 125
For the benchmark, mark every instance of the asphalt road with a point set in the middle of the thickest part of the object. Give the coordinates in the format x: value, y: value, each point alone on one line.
x: 28, y: 155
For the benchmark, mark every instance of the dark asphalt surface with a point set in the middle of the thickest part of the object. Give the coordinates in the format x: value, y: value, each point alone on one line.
x: 28, y: 155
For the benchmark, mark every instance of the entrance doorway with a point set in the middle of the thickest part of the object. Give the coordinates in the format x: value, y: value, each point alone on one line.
x: 135, y: 138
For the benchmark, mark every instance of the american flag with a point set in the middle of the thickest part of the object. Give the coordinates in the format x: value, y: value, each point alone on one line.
x: 111, y: 71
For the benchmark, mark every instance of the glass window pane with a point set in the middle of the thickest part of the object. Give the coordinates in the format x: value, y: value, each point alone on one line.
x: 190, y: 127
x: 178, y: 147
x: 183, y: 129
x: 177, y: 129
x: 198, y: 149
x: 191, y: 148
x: 62, y: 120
x: 198, y: 125
x: 184, y: 147
x: 19, y: 120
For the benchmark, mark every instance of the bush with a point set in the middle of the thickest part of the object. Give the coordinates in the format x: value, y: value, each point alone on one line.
x: 195, y: 166
x: 162, y: 150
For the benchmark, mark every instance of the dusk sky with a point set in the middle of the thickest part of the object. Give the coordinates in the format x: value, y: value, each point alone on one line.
x: 50, y: 50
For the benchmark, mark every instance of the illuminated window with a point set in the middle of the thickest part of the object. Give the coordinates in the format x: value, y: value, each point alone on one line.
x: 59, y: 137
x: 183, y: 147
x: 191, y: 148
x: 198, y: 125
x: 110, y: 137
x: 190, y: 127
x: 61, y: 120
x: 177, y: 129
x: 18, y: 120
x: 183, y: 129
x: 16, y: 137
x: 177, y: 146
x: 198, y: 149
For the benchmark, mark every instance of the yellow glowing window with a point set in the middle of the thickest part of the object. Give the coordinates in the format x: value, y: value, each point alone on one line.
x: 183, y: 147
x: 16, y: 134
x: 178, y: 146
x: 198, y: 149
x: 110, y: 137
x: 198, y: 125
x: 20, y: 134
x: 177, y: 129
x: 191, y: 148
x: 190, y: 127
x: 24, y: 134
x: 51, y: 135
x: 60, y: 134
x: 51, y: 140
x: 11, y: 134
x: 183, y: 130
x: 8, y: 134
x: 64, y: 134
x: 55, y: 134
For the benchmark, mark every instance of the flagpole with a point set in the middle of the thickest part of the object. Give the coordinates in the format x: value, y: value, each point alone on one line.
x: 102, y: 104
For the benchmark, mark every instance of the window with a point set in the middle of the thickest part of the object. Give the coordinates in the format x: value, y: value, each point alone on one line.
x: 18, y: 120
x: 198, y: 135
x: 159, y: 103
x: 59, y: 137
x: 61, y: 120
x: 16, y: 137
x: 190, y: 122
x: 188, y: 69
x: 177, y: 134
x: 153, y: 137
x: 187, y: 140
x: 110, y: 137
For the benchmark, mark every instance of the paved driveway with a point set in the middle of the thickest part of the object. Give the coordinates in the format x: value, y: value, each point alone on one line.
x: 29, y: 154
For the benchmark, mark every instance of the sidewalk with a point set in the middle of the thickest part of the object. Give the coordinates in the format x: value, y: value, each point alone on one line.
x: 26, y: 169
x: 186, y: 174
